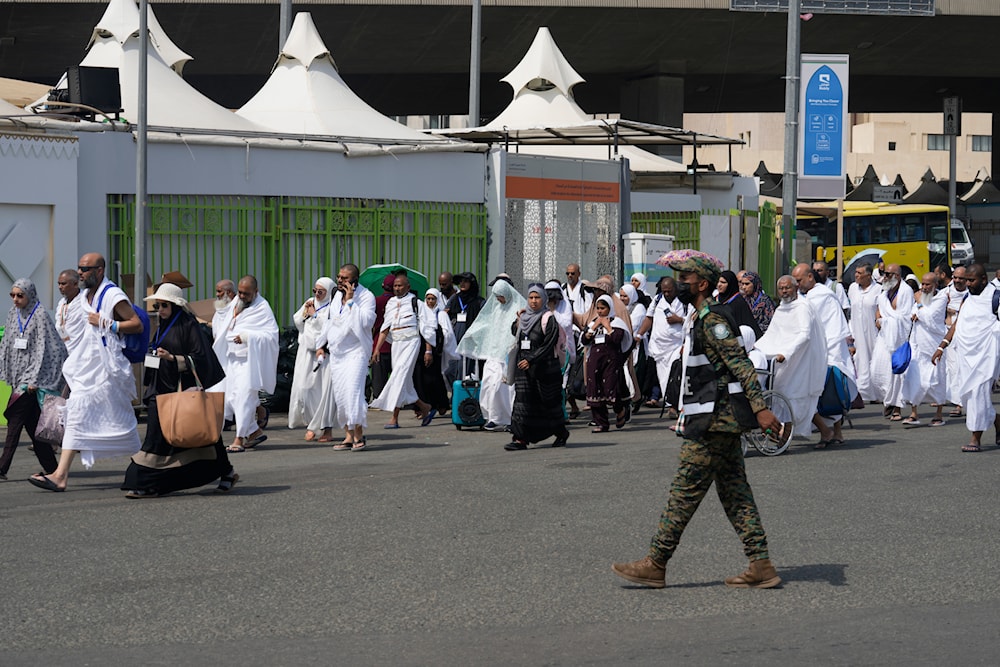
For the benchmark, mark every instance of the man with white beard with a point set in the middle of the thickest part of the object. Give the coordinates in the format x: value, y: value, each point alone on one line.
x: 895, y: 306
x: 975, y: 339
x: 795, y: 340
x: 836, y: 332
x: 863, y: 295
x: 246, y: 344
x: 924, y: 381
x: 225, y: 292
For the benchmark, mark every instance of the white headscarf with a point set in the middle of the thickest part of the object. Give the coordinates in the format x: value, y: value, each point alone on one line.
x: 436, y: 293
x: 641, y: 277
x: 329, y: 285
x: 490, y: 337
x: 632, y: 294
x: 616, y: 322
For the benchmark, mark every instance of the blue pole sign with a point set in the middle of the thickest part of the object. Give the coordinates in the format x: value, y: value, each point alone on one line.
x: 823, y: 122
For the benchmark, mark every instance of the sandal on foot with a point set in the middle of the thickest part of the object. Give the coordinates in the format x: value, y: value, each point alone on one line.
x: 235, y: 449
x: 957, y: 412
x: 227, y: 481
x: 937, y: 422
x: 599, y: 429
x: 310, y: 436
x: 822, y: 444
x: 836, y: 442
x: 910, y: 421
x: 253, y: 441
x: 360, y: 445
x: 262, y: 421
x: 971, y: 448
x: 344, y: 446
x: 896, y: 418
x: 621, y: 420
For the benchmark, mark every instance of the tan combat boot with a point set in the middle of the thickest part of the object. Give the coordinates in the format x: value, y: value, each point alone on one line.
x: 760, y: 574
x: 646, y: 572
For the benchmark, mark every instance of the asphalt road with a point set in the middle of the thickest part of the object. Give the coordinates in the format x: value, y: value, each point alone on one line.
x: 437, y: 547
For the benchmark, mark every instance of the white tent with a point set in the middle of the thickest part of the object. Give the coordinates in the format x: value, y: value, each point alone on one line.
x: 543, y: 98
x: 305, y: 95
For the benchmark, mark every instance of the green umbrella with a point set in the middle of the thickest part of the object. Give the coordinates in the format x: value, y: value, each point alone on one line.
x: 372, y: 278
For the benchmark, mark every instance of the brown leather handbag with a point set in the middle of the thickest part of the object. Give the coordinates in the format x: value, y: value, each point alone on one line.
x: 191, y: 418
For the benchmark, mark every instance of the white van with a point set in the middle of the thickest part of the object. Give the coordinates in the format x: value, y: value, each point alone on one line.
x: 962, y: 253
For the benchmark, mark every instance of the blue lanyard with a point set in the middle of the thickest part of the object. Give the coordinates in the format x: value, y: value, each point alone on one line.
x: 160, y: 337
x: 324, y: 306
x: 461, y: 305
x: 25, y: 326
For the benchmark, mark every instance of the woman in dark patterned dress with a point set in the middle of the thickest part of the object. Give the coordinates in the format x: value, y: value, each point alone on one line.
x: 538, y: 412
x: 605, y: 335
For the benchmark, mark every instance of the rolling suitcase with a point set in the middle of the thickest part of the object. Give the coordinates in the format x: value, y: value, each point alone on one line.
x: 465, y: 409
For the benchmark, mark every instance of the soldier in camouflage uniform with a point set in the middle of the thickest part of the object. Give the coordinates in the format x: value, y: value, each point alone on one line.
x: 721, y: 399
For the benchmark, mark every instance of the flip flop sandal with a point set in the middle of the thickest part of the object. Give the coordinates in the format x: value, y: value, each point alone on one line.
x: 971, y: 448
x: 262, y: 422
x: 896, y: 418
x: 251, y: 443
x: 937, y: 422
x: 955, y: 413
x: 360, y: 445
x: 822, y: 444
x: 910, y: 421
x: 227, y: 482
x: 236, y: 449
x: 310, y: 436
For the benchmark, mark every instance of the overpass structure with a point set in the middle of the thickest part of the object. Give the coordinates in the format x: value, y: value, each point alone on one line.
x: 649, y: 60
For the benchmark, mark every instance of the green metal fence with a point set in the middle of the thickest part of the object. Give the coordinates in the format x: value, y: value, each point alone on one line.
x: 288, y: 242
x: 767, y: 246
x: 684, y: 226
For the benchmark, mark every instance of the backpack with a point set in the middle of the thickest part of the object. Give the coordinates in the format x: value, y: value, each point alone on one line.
x: 136, y: 344
x: 561, y: 352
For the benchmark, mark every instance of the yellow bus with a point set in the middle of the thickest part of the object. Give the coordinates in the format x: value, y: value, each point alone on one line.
x: 915, y: 236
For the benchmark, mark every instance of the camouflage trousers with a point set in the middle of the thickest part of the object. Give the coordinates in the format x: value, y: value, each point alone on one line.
x: 718, y: 458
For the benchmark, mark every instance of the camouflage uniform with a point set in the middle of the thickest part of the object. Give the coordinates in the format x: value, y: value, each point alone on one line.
x: 712, y: 453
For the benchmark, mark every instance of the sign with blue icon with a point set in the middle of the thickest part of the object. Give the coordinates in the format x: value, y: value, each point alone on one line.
x: 823, y: 126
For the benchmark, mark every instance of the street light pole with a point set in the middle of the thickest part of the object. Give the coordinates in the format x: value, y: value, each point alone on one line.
x: 140, y: 156
x: 789, y: 182
x: 477, y: 21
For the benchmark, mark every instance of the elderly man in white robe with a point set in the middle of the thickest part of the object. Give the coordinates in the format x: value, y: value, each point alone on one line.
x: 407, y: 318
x: 795, y: 340
x: 823, y: 269
x: 893, y: 319
x: 99, y: 419
x: 923, y: 381
x: 246, y: 345
x: 71, y: 319
x: 957, y: 291
x: 225, y: 292
x: 344, y: 346
x: 307, y: 380
x: 831, y: 318
x: 863, y: 296
x: 490, y: 340
x: 974, y: 345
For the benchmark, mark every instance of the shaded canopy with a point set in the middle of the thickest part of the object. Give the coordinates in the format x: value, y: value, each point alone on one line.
x: 865, y: 190
x: 929, y: 191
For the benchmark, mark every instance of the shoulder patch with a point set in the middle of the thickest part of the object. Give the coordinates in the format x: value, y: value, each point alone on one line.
x: 721, y: 331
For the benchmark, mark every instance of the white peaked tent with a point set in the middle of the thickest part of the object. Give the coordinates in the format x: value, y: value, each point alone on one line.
x: 305, y: 95
x: 543, y: 98
x: 121, y: 19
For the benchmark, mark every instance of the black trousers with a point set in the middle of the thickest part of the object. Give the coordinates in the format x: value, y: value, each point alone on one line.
x: 24, y: 413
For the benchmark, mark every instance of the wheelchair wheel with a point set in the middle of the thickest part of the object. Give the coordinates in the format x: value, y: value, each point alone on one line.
x: 766, y: 444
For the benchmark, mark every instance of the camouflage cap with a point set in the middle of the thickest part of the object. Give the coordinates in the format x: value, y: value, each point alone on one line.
x: 693, y: 261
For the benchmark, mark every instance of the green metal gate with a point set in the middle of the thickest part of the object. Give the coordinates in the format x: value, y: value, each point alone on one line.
x: 288, y: 242
x: 685, y: 226
x: 767, y: 247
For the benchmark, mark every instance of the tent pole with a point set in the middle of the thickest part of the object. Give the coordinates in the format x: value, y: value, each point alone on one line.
x: 141, y: 202
x: 284, y: 22
x: 477, y: 25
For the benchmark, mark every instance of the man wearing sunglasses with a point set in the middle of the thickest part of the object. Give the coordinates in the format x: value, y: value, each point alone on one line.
x: 100, y: 420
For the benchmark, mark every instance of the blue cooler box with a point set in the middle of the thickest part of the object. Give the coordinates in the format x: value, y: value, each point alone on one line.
x: 465, y: 410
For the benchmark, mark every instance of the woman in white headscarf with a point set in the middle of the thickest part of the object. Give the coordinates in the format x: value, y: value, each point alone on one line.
x: 630, y: 296
x: 641, y: 285
x: 608, y: 339
x: 31, y: 358
x: 428, y: 374
x: 489, y: 338
x: 307, y: 386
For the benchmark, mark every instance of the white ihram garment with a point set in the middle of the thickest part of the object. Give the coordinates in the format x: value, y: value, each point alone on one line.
x: 975, y: 351
x: 924, y: 382
x: 896, y: 325
x: 71, y: 321
x: 348, y: 335
x: 864, y: 302
x: 827, y: 310
x: 496, y: 397
x: 251, y: 366
x: 100, y: 421
x: 665, y: 339
x: 403, y: 325
x: 796, y: 333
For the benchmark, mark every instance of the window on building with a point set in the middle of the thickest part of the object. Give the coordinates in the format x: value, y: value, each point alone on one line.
x: 892, y: 145
x: 937, y: 142
x: 982, y: 143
